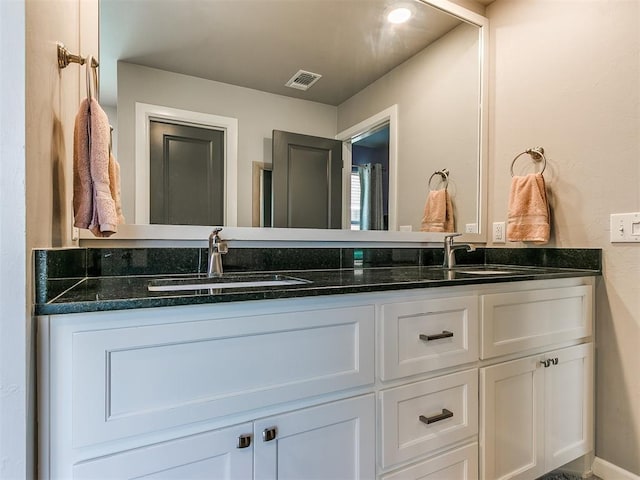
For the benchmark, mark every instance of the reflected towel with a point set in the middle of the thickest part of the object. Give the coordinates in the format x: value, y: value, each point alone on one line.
x: 528, y: 219
x: 114, y: 186
x: 94, y: 195
x: 438, y: 212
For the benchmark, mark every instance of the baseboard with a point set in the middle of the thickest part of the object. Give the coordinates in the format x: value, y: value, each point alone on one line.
x: 609, y: 471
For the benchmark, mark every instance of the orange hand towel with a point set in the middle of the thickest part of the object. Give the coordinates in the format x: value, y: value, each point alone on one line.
x: 528, y: 219
x: 438, y: 212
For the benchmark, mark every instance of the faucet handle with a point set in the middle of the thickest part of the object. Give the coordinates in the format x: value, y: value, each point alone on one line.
x: 449, y: 238
x: 223, y: 247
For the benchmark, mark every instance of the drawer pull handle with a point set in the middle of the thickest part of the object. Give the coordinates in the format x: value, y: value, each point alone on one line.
x: 436, y: 418
x: 244, y: 441
x: 437, y: 336
x: 269, y: 434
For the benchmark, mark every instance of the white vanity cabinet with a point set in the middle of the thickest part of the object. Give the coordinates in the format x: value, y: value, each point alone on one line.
x: 492, y: 381
x: 536, y: 411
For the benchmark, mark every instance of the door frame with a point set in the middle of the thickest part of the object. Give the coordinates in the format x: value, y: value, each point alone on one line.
x: 390, y: 116
x: 144, y: 113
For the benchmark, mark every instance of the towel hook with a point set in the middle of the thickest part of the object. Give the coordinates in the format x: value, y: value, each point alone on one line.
x: 536, y: 154
x: 444, y: 173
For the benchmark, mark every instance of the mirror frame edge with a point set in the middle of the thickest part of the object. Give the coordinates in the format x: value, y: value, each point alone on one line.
x: 139, y: 234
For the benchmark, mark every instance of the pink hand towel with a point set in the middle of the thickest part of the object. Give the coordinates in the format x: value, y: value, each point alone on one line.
x: 528, y: 219
x: 438, y: 212
x: 96, y: 191
x: 82, y: 188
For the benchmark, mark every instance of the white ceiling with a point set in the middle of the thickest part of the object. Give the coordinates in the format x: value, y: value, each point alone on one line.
x: 260, y: 44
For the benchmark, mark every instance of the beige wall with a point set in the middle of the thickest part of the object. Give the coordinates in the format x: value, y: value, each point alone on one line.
x: 52, y: 102
x: 258, y: 113
x: 437, y: 122
x: 52, y: 98
x: 566, y: 75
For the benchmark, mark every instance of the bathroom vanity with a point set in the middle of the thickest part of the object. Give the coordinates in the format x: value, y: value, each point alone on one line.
x: 450, y: 378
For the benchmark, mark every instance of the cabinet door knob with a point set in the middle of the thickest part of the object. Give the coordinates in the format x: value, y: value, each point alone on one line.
x: 437, y: 336
x: 244, y: 441
x: 555, y: 361
x: 546, y: 363
x: 436, y: 418
x: 269, y: 434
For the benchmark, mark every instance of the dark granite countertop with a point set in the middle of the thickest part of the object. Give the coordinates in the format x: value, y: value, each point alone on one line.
x: 103, y: 293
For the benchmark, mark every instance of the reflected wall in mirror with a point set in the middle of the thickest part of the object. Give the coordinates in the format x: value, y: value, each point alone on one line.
x: 211, y: 57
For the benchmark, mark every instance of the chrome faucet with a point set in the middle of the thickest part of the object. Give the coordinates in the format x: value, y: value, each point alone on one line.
x: 450, y: 250
x: 217, y: 248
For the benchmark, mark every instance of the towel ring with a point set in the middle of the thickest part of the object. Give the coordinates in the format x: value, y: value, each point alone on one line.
x: 444, y: 173
x: 536, y: 153
x: 91, y: 73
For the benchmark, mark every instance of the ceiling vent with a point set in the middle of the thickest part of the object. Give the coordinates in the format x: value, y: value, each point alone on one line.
x: 303, y: 80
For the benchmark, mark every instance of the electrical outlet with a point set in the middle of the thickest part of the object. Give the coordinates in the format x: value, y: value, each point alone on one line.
x: 75, y: 233
x: 499, y: 234
x: 471, y: 228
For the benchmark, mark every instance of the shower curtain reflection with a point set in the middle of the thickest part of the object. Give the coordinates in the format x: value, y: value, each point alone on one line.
x: 371, y: 193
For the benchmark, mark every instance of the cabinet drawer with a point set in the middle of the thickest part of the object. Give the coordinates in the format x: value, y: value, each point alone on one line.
x: 518, y: 321
x: 449, y: 403
x: 459, y: 464
x: 129, y: 381
x: 418, y: 337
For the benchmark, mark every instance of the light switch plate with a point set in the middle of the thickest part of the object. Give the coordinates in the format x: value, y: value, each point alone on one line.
x: 625, y: 227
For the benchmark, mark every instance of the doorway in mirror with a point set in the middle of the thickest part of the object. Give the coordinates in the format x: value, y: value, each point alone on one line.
x: 186, y: 174
x: 369, y: 197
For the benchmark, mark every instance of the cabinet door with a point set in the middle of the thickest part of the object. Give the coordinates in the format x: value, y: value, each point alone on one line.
x: 331, y: 441
x: 568, y: 405
x: 512, y: 420
x: 215, y: 454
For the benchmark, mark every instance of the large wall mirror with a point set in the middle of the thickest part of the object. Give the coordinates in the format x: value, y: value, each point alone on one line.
x: 408, y: 93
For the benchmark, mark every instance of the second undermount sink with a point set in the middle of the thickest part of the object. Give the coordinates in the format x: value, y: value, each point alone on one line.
x: 224, y: 281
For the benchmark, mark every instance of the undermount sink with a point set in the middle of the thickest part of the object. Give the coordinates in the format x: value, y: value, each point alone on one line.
x: 487, y: 271
x: 223, y: 281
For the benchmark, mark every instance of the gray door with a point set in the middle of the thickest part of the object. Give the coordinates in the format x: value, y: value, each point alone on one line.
x: 307, y: 181
x: 187, y: 175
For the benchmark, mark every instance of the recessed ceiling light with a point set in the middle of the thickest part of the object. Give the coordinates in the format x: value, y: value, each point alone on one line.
x: 399, y: 15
